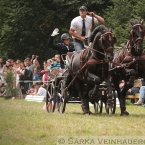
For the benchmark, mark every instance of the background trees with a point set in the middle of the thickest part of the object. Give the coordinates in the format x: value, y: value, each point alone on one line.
x: 26, y: 25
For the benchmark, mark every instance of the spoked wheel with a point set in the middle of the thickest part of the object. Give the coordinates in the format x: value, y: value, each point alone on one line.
x: 62, y: 98
x: 49, y: 98
x: 113, y: 108
x: 98, y: 106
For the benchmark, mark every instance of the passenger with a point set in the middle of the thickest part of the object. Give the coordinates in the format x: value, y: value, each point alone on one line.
x: 63, y: 47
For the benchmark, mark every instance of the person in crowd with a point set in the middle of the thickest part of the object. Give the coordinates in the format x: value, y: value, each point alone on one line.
x: 16, y: 65
x: 80, y: 27
x: 56, y: 63
x: 6, y: 66
x: 26, y: 78
x: 20, y: 73
x: 141, y: 94
x: 55, y: 71
x: 32, y: 90
x: 135, y: 89
x: 63, y: 47
x: 41, y: 91
x: 46, y: 77
x: 35, y: 76
x: 29, y: 65
x: 49, y: 61
x: 61, y: 71
x: 1, y: 72
x: 34, y: 60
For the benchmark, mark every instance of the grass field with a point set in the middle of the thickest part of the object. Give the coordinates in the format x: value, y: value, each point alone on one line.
x: 25, y: 123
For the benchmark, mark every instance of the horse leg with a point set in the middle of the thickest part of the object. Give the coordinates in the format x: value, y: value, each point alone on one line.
x: 110, y: 100
x: 116, y: 81
x: 125, y: 89
x: 84, y: 98
x: 91, y: 78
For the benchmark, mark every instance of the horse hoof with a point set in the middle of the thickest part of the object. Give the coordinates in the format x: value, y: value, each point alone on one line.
x: 124, y: 113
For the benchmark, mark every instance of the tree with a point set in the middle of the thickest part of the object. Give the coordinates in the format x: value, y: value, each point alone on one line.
x: 119, y: 15
x: 27, y: 24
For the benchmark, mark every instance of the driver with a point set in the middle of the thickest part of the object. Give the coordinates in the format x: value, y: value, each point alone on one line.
x: 81, y: 26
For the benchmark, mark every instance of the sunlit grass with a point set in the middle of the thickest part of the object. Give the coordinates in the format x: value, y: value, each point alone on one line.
x: 23, y: 122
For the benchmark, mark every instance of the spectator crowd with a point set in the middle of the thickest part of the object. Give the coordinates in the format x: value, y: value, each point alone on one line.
x: 28, y: 75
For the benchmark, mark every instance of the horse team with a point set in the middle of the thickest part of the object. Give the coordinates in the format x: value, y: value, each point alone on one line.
x: 98, y: 64
x: 94, y: 64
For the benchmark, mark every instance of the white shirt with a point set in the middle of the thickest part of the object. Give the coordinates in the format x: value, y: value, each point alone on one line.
x: 41, y: 92
x: 76, y: 24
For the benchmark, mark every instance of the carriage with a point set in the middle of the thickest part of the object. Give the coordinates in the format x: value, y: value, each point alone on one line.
x: 57, y: 97
x: 87, y: 74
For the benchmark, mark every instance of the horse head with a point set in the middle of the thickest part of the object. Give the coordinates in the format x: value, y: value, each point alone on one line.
x: 136, y: 37
x: 104, y: 43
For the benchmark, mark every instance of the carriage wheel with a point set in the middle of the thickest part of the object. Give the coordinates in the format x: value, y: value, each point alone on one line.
x: 113, y: 109
x: 98, y: 106
x: 49, y: 99
x: 62, y: 98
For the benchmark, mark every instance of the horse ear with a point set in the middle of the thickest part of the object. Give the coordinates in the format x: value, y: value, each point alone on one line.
x: 114, y: 40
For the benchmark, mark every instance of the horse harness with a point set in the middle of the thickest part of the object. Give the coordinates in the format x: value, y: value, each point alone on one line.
x: 130, y: 58
x: 84, y: 61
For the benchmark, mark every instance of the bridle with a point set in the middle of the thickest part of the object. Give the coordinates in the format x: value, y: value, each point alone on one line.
x: 101, y: 41
x: 140, y: 30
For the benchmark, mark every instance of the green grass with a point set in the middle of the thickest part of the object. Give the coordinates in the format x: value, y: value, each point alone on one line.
x: 25, y: 123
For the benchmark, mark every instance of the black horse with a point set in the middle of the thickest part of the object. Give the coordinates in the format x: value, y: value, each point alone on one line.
x: 129, y: 62
x: 90, y: 66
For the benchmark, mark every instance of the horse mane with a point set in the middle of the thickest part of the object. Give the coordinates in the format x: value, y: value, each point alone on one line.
x: 100, y: 28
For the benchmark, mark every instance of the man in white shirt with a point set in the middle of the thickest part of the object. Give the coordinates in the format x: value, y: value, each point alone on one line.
x: 80, y: 28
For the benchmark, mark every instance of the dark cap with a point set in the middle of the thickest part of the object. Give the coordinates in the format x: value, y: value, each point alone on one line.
x: 83, y: 8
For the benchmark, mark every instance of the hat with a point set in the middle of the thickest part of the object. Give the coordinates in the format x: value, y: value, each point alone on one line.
x: 65, y: 36
x: 83, y: 8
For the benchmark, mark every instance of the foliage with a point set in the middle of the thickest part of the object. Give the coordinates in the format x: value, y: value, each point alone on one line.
x: 26, y: 25
x: 119, y: 15
x: 10, y: 84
